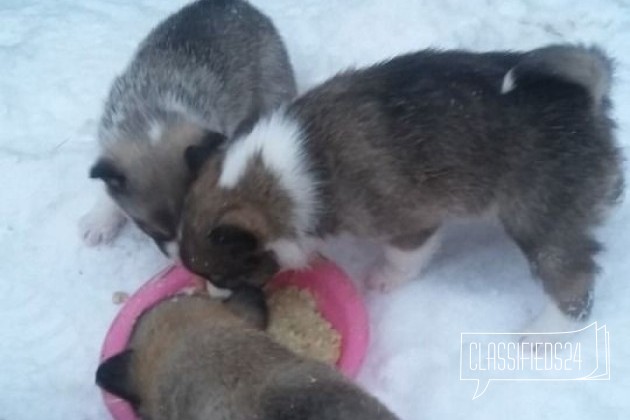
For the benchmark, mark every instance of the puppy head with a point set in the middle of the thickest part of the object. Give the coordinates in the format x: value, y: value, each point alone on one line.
x: 226, y: 231
x: 153, y: 364
x: 148, y: 179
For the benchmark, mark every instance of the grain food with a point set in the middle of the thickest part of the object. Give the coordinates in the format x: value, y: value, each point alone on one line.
x: 295, y: 322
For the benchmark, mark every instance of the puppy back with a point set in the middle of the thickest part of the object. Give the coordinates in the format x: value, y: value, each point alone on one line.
x: 311, y: 390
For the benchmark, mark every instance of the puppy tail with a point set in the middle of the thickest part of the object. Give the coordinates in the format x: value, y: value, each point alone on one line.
x: 588, y: 67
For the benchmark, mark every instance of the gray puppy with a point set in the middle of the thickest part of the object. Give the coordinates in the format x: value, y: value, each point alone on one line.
x: 192, y: 358
x: 203, y: 74
x: 393, y: 151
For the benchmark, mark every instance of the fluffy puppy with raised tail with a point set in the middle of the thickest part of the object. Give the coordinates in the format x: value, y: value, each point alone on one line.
x: 393, y: 151
x: 202, y: 75
x: 194, y: 358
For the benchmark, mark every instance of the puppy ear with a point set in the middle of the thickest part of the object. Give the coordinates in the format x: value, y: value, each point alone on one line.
x: 113, y: 375
x: 248, y: 303
x: 106, y: 170
x: 196, y: 155
x: 234, y: 238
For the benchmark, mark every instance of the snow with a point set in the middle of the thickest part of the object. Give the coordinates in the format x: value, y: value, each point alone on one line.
x: 57, y: 60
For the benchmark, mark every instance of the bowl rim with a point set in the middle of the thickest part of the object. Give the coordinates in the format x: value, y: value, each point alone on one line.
x: 175, y: 280
x: 165, y: 284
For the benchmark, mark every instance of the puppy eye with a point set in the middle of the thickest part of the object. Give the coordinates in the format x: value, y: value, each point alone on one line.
x: 237, y: 239
x: 113, y: 177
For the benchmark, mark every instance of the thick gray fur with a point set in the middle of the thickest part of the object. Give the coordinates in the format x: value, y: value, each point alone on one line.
x: 214, y: 66
x: 403, y: 146
x: 396, y: 149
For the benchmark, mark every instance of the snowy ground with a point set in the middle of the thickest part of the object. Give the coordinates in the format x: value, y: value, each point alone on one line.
x: 57, y: 59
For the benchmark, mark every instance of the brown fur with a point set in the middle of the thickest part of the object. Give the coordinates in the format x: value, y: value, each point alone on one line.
x: 193, y: 358
x: 258, y: 206
x: 394, y: 150
x: 154, y: 177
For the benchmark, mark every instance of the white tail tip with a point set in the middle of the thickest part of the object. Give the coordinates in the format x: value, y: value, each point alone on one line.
x: 509, y: 83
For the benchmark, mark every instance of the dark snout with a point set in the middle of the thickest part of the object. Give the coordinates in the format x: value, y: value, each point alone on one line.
x: 231, y: 271
x: 262, y: 271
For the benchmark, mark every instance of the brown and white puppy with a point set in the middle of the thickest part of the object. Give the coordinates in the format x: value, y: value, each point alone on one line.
x: 195, y: 358
x: 393, y: 151
x: 207, y: 71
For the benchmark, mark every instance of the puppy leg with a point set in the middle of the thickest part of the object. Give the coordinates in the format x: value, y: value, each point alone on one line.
x: 564, y: 260
x: 249, y: 304
x: 102, y: 223
x: 405, y: 257
x: 568, y: 275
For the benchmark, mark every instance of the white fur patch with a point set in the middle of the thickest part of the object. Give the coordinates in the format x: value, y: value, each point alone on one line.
x: 509, y: 84
x: 278, y: 141
x: 155, y: 132
x: 216, y: 292
x: 173, y: 103
x: 290, y: 254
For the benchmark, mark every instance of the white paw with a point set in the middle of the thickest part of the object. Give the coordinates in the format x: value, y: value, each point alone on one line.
x: 100, y: 226
x: 385, y: 280
x: 550, y: 327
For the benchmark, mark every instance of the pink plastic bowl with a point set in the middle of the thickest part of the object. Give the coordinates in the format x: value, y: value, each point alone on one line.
x: 336, y: 297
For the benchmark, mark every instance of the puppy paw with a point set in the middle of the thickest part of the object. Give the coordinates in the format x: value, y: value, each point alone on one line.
x: 101, y: 226
x: 550, y: 327
x: 385, y: 280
